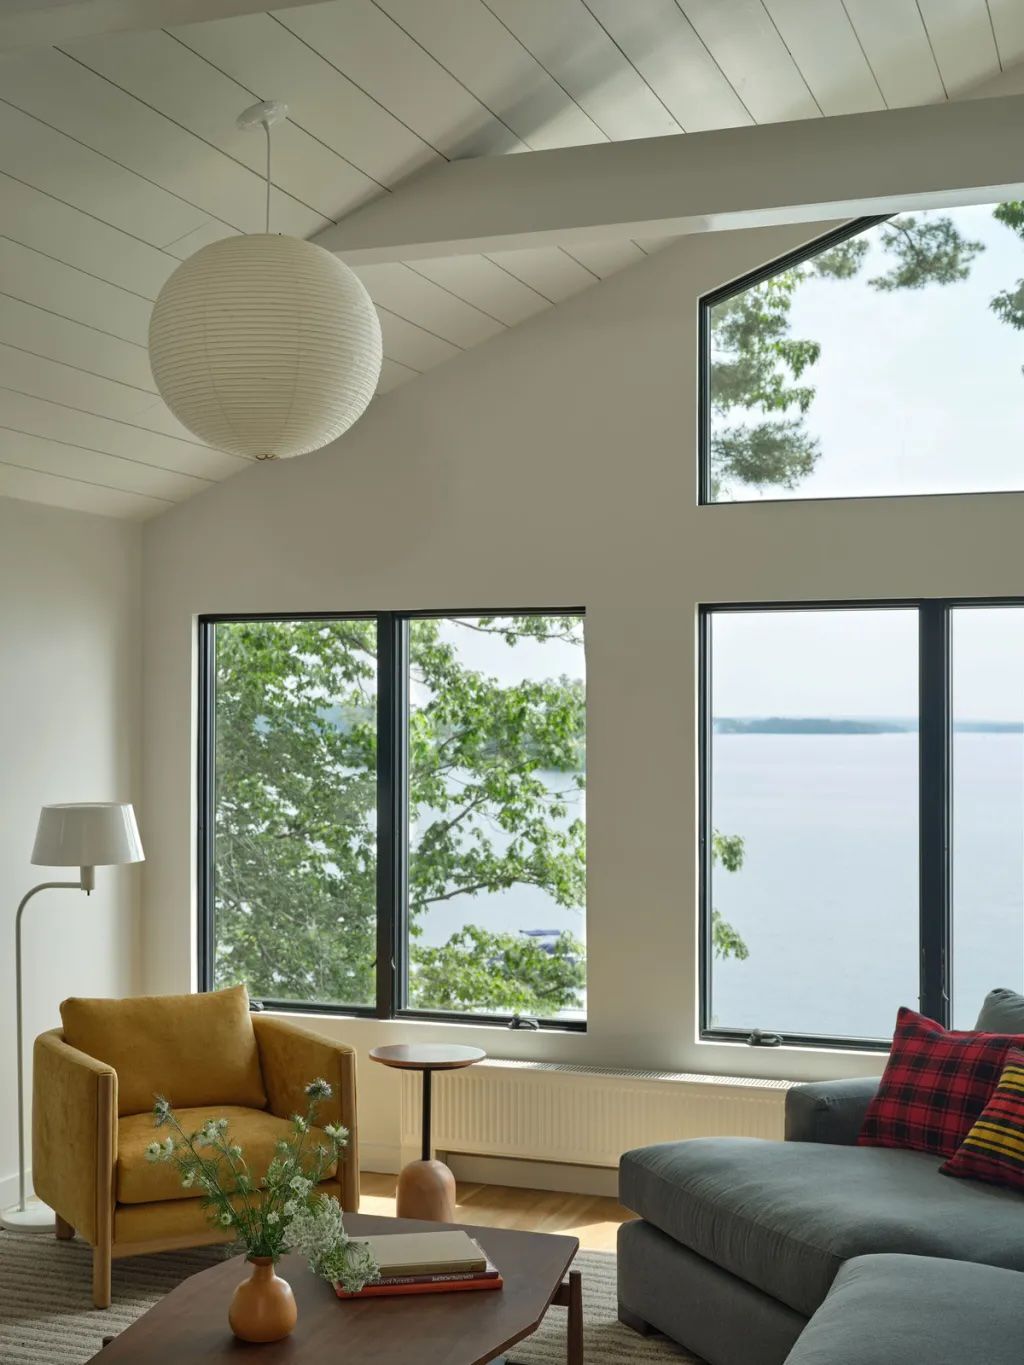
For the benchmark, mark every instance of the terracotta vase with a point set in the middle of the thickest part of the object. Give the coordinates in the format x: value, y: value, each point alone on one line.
x: 263, y: 1306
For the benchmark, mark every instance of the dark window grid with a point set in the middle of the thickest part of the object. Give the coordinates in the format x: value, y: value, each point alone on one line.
x: 391, y: 963
x: 934, y: 805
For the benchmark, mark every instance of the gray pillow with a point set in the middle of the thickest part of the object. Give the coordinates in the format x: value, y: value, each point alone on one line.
x: 1002, y: 1012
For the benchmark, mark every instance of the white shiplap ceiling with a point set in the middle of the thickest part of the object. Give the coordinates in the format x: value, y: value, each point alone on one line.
x: 119, y: 157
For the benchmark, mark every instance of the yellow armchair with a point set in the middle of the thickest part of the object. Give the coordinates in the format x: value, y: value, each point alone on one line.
x: 91, y: 1112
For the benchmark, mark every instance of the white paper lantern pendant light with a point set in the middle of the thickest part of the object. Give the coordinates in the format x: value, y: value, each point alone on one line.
x: 265, y: 345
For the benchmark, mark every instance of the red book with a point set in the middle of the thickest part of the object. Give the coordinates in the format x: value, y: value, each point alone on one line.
x: 433, y: 1286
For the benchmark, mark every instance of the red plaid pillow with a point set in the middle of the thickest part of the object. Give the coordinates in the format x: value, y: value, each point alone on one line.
x: 936, y: 1083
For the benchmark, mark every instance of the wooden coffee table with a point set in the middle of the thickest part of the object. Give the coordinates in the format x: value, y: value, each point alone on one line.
x: 191, y: 1322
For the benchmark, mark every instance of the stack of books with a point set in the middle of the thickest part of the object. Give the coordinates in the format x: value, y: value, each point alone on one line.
x: 426, y: 1263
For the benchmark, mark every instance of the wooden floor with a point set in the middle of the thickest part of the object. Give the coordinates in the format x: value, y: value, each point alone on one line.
x: 594, y: 1220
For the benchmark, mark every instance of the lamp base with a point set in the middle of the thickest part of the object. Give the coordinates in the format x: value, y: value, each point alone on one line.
x: 34, y: 1217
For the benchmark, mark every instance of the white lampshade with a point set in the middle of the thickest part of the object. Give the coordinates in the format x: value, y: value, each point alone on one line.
x: 264, y: 345
x: 87, y: 834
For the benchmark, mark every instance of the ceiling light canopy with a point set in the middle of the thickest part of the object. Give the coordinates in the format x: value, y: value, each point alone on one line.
x: 265, y: 345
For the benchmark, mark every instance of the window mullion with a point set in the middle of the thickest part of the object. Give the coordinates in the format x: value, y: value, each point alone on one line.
x: 934, y: 758
x: 390, y: 721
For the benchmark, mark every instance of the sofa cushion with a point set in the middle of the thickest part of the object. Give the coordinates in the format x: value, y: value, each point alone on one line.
x: 784, y: 1216
x: 1002, y: 1012
x: 141, y: 1181
x: 935, y: 1084
x: 192, y: 1049
x: 918, y: 1311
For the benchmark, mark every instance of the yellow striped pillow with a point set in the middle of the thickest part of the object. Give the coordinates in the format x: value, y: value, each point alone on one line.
x: 994, y: 1148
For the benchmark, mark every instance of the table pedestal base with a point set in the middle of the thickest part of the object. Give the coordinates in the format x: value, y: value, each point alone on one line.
x: 426, y: 1189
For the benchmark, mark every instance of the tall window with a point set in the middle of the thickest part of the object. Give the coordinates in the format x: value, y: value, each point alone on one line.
x: 863, y: 816
x: 392, y: 813
x: 883, y: 360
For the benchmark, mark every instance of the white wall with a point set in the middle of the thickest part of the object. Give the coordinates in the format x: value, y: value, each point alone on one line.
x: 555, y: 464
x: 69, y: 694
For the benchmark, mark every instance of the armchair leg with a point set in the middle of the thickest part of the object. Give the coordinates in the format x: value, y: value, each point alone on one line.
x: 101, y: 1276
x: 65, y: 1231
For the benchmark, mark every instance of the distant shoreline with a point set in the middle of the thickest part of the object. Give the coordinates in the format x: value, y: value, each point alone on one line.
x: 825, y: 725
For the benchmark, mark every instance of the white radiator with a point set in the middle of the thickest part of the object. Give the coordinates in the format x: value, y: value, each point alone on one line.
x: 583, y: 1115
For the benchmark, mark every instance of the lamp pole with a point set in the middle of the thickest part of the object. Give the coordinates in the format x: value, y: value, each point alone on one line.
x: 86, y: 883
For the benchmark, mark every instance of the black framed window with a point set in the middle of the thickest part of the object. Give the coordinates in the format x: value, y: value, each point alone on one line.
x: 392, y: 814
x: 880, y: 360
x: 862, y: 815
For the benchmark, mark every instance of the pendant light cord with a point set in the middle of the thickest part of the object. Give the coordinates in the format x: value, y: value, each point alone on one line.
x: 266, y: 129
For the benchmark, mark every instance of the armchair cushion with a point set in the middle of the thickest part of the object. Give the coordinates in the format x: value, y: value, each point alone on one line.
x: 140, y: 1181
x: 193, y: 1049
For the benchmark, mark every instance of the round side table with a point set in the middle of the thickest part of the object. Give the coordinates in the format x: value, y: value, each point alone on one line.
x: 426, y: 1188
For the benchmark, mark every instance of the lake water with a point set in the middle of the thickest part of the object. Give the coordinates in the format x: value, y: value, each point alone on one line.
x: 827, y: 897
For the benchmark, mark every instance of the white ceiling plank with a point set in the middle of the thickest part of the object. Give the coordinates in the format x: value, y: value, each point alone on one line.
x: 550, y: 271
x: 158, y: 70
x: 60, y: 166
x: 471, y: 43
x: 825, y: 48
x: 33, y: 278
x: 801, y: 171
x: 605, y: 258
x: 481, y: 282
x: 411, y: 345
x: 962, y: 41
x: 46, y: 23
x: 66, y: 95
x: 38, y: 220
x: 396, y: 287
x: 68, y: 405
x: 664, y: 47
x: 744, y: 42
x: 62, y: 339
x: 273, y: 62
x: 392, y: 375
x: 363, y: 42
x: 131, y: 476
x: 895, y: 43
x: 1008, y: 24
x: 569, y: 43
x: 29, y: 485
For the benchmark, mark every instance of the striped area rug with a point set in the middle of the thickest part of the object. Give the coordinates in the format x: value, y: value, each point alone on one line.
x: 47, y: 1318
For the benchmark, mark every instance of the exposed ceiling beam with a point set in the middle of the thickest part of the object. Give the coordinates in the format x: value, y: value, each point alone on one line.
x: 804, y: 171
x: 43, y: 23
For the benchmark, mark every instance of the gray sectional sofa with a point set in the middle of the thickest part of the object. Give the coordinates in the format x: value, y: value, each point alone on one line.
x: 815, y: 1250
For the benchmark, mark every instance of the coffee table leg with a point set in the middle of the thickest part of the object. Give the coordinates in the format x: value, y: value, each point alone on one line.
x: 574, y: 1325
x: 569, y: 1295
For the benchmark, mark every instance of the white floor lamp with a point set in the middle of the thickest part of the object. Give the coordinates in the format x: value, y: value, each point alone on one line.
x: 85, y: 835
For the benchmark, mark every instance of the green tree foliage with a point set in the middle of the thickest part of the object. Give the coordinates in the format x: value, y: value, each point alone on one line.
x: 728, y: 851
x: 759, y: 385
x: 295, y: 813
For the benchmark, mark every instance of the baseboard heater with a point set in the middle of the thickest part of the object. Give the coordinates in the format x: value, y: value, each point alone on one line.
x: 584, y: 1115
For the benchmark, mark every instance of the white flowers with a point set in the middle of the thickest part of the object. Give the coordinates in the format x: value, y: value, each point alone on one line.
x: 227, y: 1218
x: 319, y: 1089
x: 160, y: 1151
x: 273, y: 1218
x: 337, y: 1133
x: 317, y: 1231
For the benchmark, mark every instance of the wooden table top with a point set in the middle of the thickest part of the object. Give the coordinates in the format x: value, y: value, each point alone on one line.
x: 426, y: 1056
x: 191, y: 1322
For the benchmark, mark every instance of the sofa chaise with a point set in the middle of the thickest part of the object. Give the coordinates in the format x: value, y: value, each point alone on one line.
x: 739, y: 1241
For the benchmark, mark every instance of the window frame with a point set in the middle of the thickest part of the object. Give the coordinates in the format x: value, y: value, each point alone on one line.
x: 935, y: 795
x: 391, y: 964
